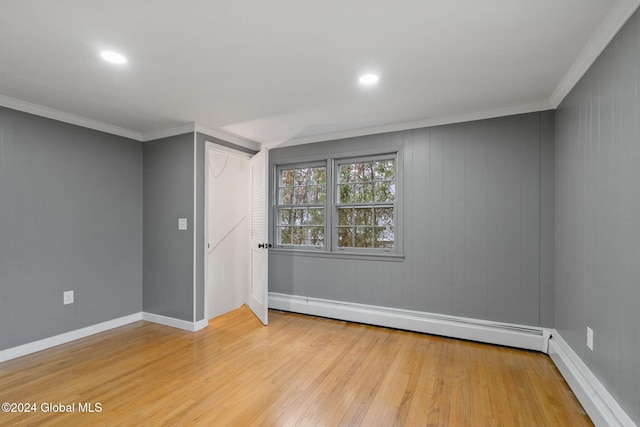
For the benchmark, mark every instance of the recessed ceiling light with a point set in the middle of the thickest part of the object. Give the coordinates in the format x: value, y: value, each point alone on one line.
x: 113, y: 57
x: 369, y: 79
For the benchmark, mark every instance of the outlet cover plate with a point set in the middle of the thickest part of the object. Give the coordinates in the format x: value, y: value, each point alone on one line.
x: 590, y: 338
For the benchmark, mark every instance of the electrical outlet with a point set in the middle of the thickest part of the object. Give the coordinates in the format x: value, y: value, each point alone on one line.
x: 68, y: 297
x: 590, y: 338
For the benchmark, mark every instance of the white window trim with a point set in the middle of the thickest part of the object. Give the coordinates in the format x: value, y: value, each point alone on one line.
x: 328, y: 250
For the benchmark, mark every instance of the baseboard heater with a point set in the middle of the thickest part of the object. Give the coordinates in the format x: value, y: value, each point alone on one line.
x: 512, y: 335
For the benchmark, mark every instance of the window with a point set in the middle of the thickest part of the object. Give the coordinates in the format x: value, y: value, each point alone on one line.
x: 300, y: 207
x: 348, y: 207
x: 365, y: 203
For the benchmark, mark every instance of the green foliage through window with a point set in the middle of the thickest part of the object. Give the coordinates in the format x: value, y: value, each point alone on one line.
x: 366, y: 204
x: 362, y: 201
x: 301, y: 196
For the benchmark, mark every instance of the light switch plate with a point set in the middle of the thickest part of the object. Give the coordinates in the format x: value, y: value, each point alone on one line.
x: 67, y: 297
x: 182, y: 223
x: 590, y: 338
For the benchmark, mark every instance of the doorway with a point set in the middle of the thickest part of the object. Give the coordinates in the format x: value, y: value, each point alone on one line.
x: 228, y: 230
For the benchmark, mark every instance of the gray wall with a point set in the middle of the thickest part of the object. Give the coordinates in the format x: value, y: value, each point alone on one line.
x: 168, y: 252
x: 478, y: 220
x: 70, y: 219
x: 598, y: 218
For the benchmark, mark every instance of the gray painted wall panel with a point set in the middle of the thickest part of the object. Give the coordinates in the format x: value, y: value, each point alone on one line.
x: 70, y: 219
x: 472, y: 203
x: 420, y: 290
x: 547, y: 218
x: 598, y: 218
x: 168, y: 252
x: 496, y: 229
x: 475, y: 221
x: 530, y: 223
x: 513, y: 206
x: 435, y: 265
x: 458, y: 217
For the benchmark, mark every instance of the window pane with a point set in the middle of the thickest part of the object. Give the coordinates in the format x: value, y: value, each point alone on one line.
x: 345, y: 173
x: 384, y: 237
x: 363, y: 216
x: 364, y: 237
x: 316, y: 236
x: 299, y: 217
x: 318, y: 175
x: 299, y: 236
x: 345, y: 237
x: 297, y: 223
x: 346, y: 194
x: 316, y: 194
x: 315, y: 216
x: 384, y: 170
x: 301, y: 195
x: 345, y: 216
x: 285, y: 196
x: 383, y: 216
x: 284, y: 235
x: 385, y: 191
x: 300, y: 176
x: 364, y: 193
x: 363, y: 172
x: 286, y: 178
x: 284, y: 216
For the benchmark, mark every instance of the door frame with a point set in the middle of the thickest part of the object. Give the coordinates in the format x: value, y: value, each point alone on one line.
x: 212, y: 146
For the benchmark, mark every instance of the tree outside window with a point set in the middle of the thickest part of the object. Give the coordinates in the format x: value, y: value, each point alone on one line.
x: 301, y: 198
x: 366, y: 204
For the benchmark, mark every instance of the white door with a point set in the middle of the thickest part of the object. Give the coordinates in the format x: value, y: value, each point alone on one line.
x: 258, y: 251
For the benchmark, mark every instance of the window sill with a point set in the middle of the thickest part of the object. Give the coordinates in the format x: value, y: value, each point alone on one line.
x: 338, y: 255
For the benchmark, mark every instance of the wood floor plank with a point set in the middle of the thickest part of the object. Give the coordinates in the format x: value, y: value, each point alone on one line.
x: 298, y: 371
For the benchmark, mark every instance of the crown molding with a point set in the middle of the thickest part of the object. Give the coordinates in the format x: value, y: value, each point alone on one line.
x: 52, y: 113
x: 606, y: 31
x: 416, y: 124
x: 61, y: 116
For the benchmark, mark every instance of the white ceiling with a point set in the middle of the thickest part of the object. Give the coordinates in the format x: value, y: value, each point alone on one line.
x: 285, y: 71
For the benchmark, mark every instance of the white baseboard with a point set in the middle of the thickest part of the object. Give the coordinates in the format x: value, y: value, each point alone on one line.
x: 43, y: 344
x: 594, y: 397
x: 525, y: 337
x: 54, y: 341
x: 175, y: 323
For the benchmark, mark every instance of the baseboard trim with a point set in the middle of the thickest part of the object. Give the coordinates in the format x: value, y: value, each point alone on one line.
x: 175, y: 323
x: 525, y: 337
x: 43, y: 344
x: 594, y: 397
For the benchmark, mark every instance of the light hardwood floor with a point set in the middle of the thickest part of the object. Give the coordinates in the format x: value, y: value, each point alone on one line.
x: 300, y: 370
